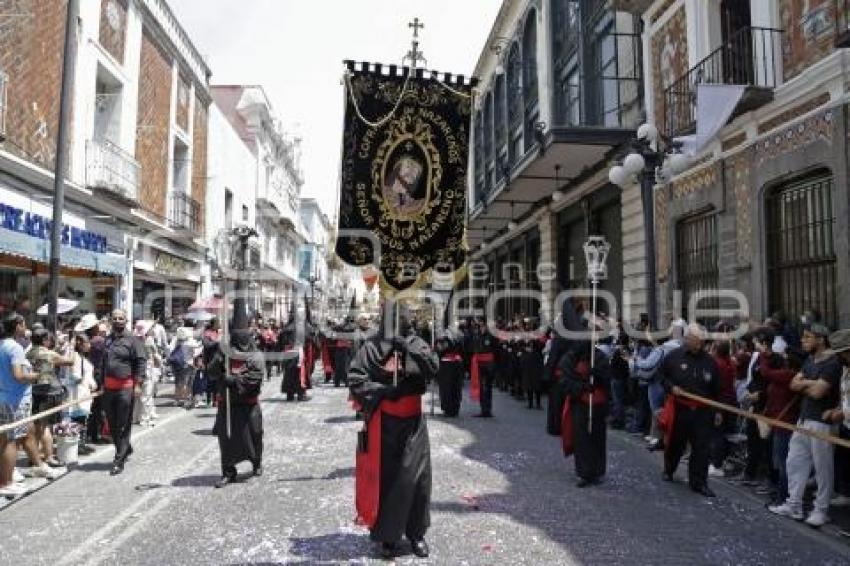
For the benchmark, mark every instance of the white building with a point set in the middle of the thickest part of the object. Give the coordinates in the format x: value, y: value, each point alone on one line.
x: 313, y: 262
x: 276, y: 184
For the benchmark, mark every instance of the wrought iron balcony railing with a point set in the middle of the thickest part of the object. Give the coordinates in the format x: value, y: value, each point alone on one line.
x: 112, y: 170
x: 751, y: 57
x: 184, y: 213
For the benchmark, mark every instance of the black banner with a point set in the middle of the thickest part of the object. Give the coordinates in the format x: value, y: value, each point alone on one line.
x: 404, y: 171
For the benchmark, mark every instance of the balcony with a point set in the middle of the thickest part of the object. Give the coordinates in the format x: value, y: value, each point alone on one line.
x: 751, y: 57
x: 184, y: 213
x: 112, y: 171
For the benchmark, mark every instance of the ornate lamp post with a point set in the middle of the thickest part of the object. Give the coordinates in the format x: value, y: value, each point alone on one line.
x: 653, y: 159
x: 596, y: 250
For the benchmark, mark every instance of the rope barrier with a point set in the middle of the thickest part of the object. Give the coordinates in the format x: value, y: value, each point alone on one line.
x: 48, y: 412
x: 832, y: 439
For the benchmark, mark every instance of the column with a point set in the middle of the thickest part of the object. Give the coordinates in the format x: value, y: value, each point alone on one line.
x: 547, y: 271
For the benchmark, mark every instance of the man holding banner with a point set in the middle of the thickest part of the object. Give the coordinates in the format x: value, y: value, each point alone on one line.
x: 388, y: 377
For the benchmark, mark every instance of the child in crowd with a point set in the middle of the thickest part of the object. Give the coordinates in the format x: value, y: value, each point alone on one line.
x: 200, y: 391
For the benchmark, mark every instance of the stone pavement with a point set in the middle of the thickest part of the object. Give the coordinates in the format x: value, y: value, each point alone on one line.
x: 503, y: 494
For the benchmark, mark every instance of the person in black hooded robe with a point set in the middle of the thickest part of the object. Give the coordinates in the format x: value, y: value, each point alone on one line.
x: 244, y: 380
x: 450, y: 374
x: 571, y: 319
x: 581, y: 387
x: 291, y: 384
x: 394, y: 483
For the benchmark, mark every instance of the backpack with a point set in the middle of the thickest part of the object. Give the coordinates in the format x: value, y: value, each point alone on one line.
x: 177, y: 358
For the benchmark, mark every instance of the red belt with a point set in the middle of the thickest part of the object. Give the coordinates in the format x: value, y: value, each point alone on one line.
x: 452, y: 358
x: 118, y: 383
x: 484, y: 357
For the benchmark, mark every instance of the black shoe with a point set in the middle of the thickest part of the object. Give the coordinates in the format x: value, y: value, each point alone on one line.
x: 704, y: 490
x: 484, y: 415
x: 667, y: 476
x: 304, y: 398
x: 116, y: 469
x: 258, y: 471
x: 388, y: 550
x: 419, y: 548
x: 85, y: 450
x: 224, y: 481
x: 582, y: 483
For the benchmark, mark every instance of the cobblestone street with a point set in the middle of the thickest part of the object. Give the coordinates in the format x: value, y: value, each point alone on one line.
x: 502, y: 495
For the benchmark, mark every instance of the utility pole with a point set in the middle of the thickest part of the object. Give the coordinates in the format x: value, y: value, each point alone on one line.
x: 68, y: 69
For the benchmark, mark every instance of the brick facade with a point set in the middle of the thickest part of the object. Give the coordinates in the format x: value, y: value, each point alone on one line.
x: 199, y: 158
x: 181, y: 112
x: 153, y: 127
x: 669, y: 61
x: 31, y: 49
x: 113, y: 27
x: 809, y: 33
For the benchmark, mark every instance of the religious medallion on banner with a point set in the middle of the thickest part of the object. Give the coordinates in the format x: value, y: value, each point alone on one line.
x: 404, y: 171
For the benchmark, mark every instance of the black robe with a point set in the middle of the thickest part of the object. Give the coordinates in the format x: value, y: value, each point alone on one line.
x: 590, y: 445
x: 291, y: 382
x: 405, y: 476
x: 450, y: 376
x: 245, y: 442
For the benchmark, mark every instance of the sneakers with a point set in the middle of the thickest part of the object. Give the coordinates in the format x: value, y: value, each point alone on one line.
x: 715, y: 472
x: 45, y: 472
x: 13, y: 490
x: 817, y: 519
x: 17, y: 476
x: 840, y: 501
x: 786, y: 510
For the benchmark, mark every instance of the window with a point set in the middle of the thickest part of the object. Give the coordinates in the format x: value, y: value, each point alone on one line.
x: 529, y: 60
x: 245, y: 213
x: 696, y: 261
x: 180, y: 167
x: 565, y: 28
x: 801, y: 248
x: 569, y: 96
x: 228, y: 209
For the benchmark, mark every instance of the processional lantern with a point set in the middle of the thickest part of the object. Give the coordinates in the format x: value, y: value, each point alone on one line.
x: 596, y: 250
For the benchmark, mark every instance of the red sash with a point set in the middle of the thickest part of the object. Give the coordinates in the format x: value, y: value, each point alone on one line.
x: 327, y: 362
x: 118, y: 383
x: 474, y: 372
x: 368, y: 463
x: 598, y: 398
x: 667, y: 416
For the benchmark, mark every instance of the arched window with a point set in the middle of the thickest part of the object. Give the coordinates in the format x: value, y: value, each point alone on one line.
x: 514, y: 86
x: 500, y: 118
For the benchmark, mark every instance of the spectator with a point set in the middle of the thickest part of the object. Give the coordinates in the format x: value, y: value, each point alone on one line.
x: 840, y: 342
x: 752, y: 397
x: 180, y: 362
x: 144, y: 412
x: 722, y: 353
x: 818, y: 384
x: 47, y: 392
x: 16, y: 379
x: 200, y: 385
x: 782, y: 404
x: 81, y: 384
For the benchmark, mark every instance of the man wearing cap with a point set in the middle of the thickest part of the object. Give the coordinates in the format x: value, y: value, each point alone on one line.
x: 690, y: 369
x: 124, y: 364
x: 818, y: 385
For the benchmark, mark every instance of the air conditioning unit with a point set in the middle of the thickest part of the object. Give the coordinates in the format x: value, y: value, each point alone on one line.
x: 4, y: 81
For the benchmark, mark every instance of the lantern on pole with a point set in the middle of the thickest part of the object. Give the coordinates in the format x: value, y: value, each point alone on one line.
x: 596, y: 250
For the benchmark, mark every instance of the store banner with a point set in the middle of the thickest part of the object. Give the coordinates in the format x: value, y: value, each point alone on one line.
x: 22, y: 245
x: 404, y: 171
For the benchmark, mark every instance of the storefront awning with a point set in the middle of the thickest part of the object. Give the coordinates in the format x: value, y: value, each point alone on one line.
x: 36, y: 249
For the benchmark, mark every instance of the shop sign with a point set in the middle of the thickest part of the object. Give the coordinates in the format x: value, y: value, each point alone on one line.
x: 168, y: 264
x: 37, y: 226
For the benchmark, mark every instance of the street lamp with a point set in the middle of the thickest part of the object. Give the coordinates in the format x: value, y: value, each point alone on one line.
x: 653, y: 159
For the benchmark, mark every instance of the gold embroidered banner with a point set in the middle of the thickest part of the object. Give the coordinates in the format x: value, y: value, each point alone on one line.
x: 404, y: 170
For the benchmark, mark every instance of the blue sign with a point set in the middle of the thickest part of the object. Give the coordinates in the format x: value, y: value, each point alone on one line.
x: 37, y: 226
x: 306, y: 264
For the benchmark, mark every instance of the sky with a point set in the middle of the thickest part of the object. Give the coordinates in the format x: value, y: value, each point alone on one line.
x: 295, y: 49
